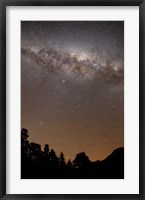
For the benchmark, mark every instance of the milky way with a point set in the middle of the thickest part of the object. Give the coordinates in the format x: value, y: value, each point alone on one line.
x: 79, y: 65
x: 73, y: 85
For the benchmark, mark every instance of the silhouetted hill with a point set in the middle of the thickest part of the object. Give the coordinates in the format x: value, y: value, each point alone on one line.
x: 111, y: 166
x: 115, y: 156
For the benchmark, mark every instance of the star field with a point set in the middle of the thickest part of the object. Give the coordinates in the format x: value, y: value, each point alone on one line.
x: 72, y: 85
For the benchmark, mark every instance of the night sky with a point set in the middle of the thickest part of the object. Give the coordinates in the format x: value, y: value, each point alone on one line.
x: 72, y: 85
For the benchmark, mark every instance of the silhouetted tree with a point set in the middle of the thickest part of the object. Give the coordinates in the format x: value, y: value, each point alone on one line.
x: 69, y: 164
x: 35, y: 151
x: 62, y: 162
x: 46, y: 149
x: 24, y: 134
x: 81, y: 160
x: 25, y: 151
x: 53, y: 159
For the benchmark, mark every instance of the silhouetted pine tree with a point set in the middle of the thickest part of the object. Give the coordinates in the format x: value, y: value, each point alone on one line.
x: 62, y: 162
x: 53, y: 159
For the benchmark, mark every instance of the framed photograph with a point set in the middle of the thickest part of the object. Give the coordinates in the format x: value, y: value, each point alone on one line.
x: 72, y: 98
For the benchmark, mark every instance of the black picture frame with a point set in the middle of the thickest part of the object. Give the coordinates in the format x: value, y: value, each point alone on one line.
x: 3, y: 182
